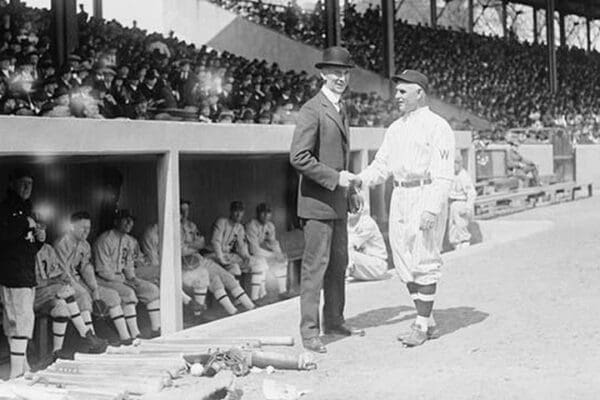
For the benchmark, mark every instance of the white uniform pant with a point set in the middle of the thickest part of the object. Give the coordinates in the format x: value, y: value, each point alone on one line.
x: 416, y: 253
x: 364, y: 267
x: 458, y: 223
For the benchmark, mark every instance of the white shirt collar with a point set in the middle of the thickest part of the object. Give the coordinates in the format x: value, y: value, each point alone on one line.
x: 334, y: 98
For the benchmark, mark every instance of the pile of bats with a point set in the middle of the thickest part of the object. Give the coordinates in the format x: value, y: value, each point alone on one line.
x: 152, y: 366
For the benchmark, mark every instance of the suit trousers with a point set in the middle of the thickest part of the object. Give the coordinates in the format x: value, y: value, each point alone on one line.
x: 324, y: 264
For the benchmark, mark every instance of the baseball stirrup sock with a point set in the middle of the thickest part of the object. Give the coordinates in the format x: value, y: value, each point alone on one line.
x: 425, y: 300
x: 18, y: 349
x: 224, y: 300
x: 131, y: 319
x: 87, y: 319
x: 154, y: 313
x: 256, y: 282
x: 242, y: 298
x: 59, y: 327
x: 116, y: 314
x: 200, y: 296
x: 282, y: 282
x: 76, y: 316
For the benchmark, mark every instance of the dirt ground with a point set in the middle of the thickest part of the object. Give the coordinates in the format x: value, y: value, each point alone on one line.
x: 519, y: 321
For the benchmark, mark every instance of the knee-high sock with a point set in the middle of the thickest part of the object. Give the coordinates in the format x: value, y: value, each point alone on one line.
x: 87, y: 319
x: 256, y: 283
x: 282, y: 281
x: 242, y: 298
x: 154, y: 313
x: 131, y: 319
x: 424, y: 304
x: 76, y: 316
x: 223, y: 299
x: 18, y: 350
x: 116, y: 314
x: 200, y: 295
x: 413, y: 291
x: 59, y: 327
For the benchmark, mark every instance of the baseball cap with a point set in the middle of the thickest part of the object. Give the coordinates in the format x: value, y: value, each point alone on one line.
x: 412, y: 76
x: 236, y: 206
x: 122, y: 214
x: 263, y: 207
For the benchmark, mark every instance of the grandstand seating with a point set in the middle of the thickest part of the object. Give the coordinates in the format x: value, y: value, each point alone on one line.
x: 501, y: 80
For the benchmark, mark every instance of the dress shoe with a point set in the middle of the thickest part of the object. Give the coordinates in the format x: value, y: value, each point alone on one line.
x: 344, y: 330
x: 314, y: 344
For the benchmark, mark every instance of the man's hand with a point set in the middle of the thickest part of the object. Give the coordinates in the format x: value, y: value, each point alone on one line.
x: 346, y: 178
x: 355, y: 203
x: 40, y: 233
x: 225, y: 259
x: 427, y: 221
x: 96, y: 294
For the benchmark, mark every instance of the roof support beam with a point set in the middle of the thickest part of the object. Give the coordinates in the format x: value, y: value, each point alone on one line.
x: 550, y: 39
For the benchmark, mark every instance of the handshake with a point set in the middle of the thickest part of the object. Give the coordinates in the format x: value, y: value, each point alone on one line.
x: 348, y: 179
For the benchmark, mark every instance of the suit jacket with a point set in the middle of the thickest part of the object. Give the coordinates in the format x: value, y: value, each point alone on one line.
x: 320, y: 150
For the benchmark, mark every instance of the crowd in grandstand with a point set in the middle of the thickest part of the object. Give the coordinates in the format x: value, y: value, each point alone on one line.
x: 120, y: 72
x: 501, y: 80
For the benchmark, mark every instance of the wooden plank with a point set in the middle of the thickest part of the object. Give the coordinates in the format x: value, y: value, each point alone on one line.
x: 170, y: 251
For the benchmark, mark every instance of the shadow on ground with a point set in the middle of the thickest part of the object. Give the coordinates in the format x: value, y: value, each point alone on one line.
x: 448, y: 320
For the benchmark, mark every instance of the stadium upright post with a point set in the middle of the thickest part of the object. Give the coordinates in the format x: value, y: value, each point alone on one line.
x: 171, y: 307
x: 97, y: 8
x: 389, y: 67
x: 470, y: 17
x: 550, y: 39
x: 433, y: 13
x: 561, y: 29
x: 332, y: 23
x: 588, y: 34
x: 504, y: 20
x: 64, y: 29
x: 535, y: 25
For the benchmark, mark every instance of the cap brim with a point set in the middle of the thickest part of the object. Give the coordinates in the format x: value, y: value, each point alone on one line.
x: 398, y: 79
x: 321, y: 65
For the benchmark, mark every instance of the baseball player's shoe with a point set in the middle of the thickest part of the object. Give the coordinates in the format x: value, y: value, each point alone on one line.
x: 155, y: 334
x: 314, y: 344
x: 344, y: 330
x: 433, y: 332
x: 126, y: 342
x: 93, y: 343
x: 416, y: 338
x: 197, y: 309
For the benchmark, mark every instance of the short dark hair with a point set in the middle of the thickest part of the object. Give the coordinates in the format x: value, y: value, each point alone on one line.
x: 185, y: 201
x: 236, y: 206
x: 79, y: 215
x: 19, y: 173
x: 263, y: 207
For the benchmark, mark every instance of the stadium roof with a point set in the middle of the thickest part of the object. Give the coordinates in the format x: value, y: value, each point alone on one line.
x: 582, y: 8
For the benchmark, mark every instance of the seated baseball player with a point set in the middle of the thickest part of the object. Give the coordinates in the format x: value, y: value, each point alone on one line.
x: 262, y: 242
x: 75, y: 255
x: 367, y: 253
x: 192, y: 242
x: 462, y: 202
x: 114, y: 259
x: 149, y: 269
x: 231, y: 251
x: 55, y: 295
x: 525, y: 170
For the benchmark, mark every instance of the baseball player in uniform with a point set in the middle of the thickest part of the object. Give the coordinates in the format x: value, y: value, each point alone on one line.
x: 231, y: 250
x: 20, y: 239
x: 115, y: 253
x: 55, y: 295
x: 262, y: 242
x: 418, y: 151
x: 367, y: 253
x: 75, y: 255
x: 462, y: 202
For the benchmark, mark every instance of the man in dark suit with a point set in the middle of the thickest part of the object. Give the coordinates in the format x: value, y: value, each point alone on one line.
x: 320, y: 153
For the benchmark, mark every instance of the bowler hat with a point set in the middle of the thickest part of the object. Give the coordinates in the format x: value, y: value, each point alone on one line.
x: 412, y: 76
x: 335, y: 56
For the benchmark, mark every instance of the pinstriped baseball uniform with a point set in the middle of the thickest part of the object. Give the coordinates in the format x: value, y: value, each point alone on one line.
x: 419, y: 145
x: 114, y: 258
x: 462, y: 198
x: 262, y: 241
x: 53, y: 283
x: 76, y: 257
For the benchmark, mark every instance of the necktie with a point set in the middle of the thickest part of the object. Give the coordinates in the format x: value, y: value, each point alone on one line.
x: 342, y: 112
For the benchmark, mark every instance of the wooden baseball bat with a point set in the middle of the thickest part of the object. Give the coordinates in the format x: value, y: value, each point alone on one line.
x: 131, y: 358
x: 263, y: 359
x: 261, y: 340
x: 108, y: 371
x: 134, y: 386
x: 75, y: 366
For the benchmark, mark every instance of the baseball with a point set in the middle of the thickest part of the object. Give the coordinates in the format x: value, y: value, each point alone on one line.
x: 197, y: 369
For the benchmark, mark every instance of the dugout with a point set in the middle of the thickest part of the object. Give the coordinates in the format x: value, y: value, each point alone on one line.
x: 77, y: 162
